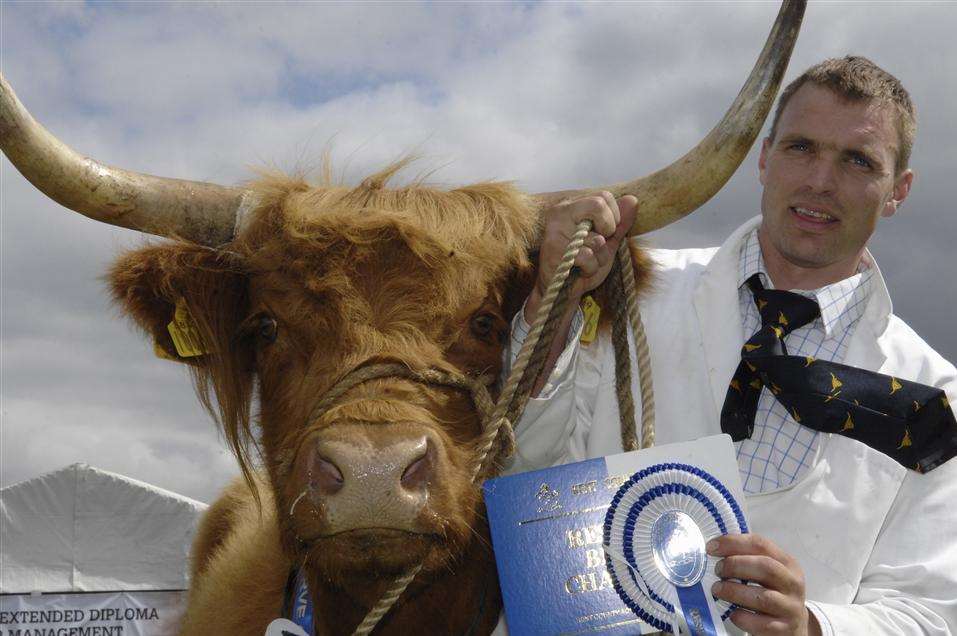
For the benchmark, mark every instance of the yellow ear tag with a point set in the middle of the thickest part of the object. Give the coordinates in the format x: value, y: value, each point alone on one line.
x: 592, y: 311
x: 184, y: 333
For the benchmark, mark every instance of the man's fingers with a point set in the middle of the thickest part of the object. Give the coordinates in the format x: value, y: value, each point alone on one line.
x: 766, y: 571
x: 611, y: 221
x: 612, y: 205
x: 761, y: 624
x: 595, y: 242
x: 754, y: 597
x: 734, y: 544
x: 628, y: 209
x: 777, y: 598
x: 587, y: 262
x: 594, y: 255
x: 596, y: 208
x: 628, y: 206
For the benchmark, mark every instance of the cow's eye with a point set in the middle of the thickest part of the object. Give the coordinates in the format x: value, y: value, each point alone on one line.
x: 267, y: 329
x: 483, y: 324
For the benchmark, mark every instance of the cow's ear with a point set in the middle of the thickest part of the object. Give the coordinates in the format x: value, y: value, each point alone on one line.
x: 189, y: 299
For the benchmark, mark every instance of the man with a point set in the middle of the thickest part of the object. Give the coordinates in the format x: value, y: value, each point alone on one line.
x: 846, y: 539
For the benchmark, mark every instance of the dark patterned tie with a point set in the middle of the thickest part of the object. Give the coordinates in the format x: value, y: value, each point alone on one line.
x: 911, y: 423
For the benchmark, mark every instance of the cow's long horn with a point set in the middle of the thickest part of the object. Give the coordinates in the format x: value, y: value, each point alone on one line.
x: 194, y: 210
x: 674, y: 192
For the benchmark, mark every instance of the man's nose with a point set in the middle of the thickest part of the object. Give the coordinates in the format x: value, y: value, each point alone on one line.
x: 821, y: 175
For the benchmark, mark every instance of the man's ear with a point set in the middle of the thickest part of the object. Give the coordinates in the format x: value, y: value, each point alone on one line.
x: 208, y: 285
x: 902, y: 185
x: 763, y: 158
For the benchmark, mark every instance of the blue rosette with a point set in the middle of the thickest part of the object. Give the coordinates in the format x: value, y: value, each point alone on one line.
x: 654, y: 536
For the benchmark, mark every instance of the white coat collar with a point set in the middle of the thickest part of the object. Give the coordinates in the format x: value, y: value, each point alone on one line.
x: 719, y: 316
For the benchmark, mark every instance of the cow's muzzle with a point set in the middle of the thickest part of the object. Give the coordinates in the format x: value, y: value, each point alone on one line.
x: 378, y: 477
x: 363, y: 477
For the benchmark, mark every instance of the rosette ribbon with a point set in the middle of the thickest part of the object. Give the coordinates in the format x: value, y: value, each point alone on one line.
x: 655, y: 533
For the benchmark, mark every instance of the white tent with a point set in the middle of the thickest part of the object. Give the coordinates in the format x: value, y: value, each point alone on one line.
x: 81, y: 529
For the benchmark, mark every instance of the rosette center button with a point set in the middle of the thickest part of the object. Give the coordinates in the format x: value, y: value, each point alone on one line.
x: 678, y: 548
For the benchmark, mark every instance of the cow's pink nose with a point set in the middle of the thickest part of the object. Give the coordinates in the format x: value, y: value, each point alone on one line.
x: 396, y: 465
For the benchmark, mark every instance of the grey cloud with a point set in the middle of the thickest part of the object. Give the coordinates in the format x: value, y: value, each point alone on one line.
x: 553, y: 95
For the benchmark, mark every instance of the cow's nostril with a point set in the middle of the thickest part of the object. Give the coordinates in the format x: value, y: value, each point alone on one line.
x: 326, y: 476
x: 419, y: 472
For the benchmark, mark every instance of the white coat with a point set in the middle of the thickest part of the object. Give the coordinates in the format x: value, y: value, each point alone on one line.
x: 877, y: 542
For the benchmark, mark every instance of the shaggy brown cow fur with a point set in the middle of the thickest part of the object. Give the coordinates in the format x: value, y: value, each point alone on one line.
x: 322, y: 280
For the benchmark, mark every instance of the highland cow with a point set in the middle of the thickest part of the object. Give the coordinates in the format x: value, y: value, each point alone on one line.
x: 325, y: 280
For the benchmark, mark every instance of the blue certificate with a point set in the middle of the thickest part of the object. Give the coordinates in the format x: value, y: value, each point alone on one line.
x: 548, y: 535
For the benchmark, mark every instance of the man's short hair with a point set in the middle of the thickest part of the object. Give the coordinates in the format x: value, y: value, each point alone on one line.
x: 856, y: 78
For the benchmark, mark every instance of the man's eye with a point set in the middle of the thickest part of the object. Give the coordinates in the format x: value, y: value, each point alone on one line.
x: 857, y: 160
x: 799, y: 146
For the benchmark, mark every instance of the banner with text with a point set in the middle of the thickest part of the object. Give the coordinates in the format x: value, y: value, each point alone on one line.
x: 91, y: 614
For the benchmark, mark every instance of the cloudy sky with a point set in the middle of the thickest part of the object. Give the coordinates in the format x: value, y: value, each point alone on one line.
x: 551, y: 95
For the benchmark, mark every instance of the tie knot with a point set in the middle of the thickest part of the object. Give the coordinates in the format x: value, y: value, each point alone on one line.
x: 784, y: 310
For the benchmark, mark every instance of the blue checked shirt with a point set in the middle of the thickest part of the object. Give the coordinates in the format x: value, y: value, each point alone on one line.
x: 781, y: 451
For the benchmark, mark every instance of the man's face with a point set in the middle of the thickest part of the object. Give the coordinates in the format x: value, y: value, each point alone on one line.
x: 828, y: 175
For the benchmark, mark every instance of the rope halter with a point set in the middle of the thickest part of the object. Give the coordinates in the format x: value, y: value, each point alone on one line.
x: 475, y: 386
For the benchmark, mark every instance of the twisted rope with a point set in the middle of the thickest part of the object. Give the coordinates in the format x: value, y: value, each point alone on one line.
x: 385, y: 603
x: 619, y: 339
x: 526, y: 369
x: 475, y: 385
x: 642, y: 353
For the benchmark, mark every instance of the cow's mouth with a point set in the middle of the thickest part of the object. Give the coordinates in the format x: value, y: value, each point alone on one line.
x: 374, y: 535
x: 383, y: 550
